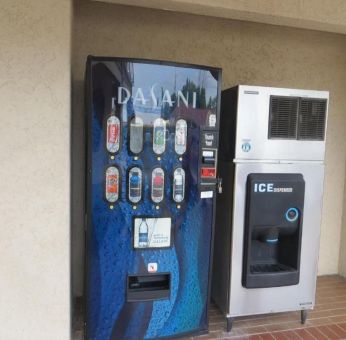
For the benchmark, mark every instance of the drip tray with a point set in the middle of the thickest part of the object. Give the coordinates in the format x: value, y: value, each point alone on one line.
x: 270, y: 268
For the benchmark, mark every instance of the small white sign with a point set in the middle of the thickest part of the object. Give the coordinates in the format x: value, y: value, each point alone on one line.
x: 206, y: 194
x: 207, y: 153
x: 152, y: 267
x: 152, y: 232
x: 212, y: 119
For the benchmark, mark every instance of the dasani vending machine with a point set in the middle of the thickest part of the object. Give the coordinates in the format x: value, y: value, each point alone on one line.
x: 152, y: 132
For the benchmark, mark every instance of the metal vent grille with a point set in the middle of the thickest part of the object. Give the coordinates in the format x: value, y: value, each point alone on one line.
x: 312, y: 119
x: 283, y: 116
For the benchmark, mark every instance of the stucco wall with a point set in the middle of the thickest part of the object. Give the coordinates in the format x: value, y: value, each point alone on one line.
x: 35, y: 169
x: 321, y: 15
x: 248, y: 53
x: 342, y: 256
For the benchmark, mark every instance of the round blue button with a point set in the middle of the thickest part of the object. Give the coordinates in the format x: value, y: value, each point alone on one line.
x: 292, y: 214
x: 246, y: 147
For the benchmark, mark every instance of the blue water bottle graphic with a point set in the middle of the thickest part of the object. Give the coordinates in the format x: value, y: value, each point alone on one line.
x: 143, y: 234
x: 135, y: 185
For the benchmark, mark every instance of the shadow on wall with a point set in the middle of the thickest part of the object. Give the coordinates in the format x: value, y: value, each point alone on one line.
x: 78, y: 160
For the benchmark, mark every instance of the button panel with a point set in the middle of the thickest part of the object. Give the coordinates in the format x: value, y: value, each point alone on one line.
x: 208, y: 157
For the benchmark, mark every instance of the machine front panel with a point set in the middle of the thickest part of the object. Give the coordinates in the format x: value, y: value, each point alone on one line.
x: 150, y: 210
x: 272, y: 231
x: 298, y: 292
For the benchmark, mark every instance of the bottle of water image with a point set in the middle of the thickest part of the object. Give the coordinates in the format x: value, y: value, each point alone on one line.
x: 143, y: 234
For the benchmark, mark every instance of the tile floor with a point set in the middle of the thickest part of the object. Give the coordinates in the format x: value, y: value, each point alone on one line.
x: 326, y: 321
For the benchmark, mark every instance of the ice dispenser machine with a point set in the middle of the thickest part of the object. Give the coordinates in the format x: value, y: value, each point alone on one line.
x: 152, y: 156
x: 271, y: 161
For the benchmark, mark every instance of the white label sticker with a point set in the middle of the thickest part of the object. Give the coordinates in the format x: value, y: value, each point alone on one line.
x: 152, y: 267
x: 207, y: 153
x: 206, y: 194
x: 212, y: 119
x: 152, y: 232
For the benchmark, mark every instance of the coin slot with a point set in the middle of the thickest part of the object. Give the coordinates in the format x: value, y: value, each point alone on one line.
x: 208, y: 157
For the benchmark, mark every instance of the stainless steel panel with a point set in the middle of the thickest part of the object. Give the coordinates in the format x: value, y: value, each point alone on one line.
x: 267, y: 300
x: 252, y: 141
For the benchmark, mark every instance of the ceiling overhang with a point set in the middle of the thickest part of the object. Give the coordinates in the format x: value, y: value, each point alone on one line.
x: 320, y: 15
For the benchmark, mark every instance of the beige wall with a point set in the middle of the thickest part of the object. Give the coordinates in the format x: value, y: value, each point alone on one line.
x: 248, y: 53
x: 312, y: 14
x: 35, y: 172
x: 342, y: 256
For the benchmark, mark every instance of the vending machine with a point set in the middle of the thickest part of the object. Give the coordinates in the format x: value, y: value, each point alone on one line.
x: 152, y: 132
x: 271, y: 160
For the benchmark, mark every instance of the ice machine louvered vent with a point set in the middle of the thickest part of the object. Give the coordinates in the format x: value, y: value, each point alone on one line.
x: 283, y: 115
x: 312, y: 119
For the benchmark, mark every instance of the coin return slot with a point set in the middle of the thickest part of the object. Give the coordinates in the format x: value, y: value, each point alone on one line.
x: 148, y: 287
